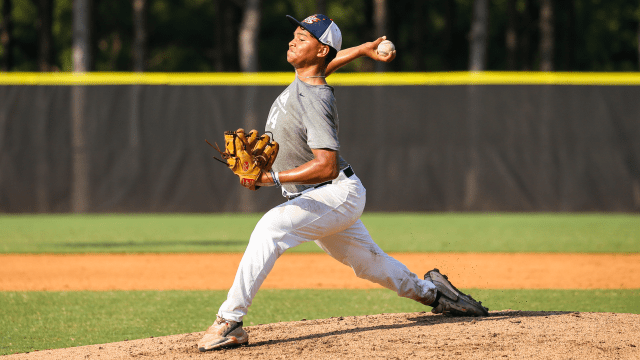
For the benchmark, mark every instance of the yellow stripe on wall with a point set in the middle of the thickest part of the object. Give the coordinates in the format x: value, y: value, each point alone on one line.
x: 338, y: 79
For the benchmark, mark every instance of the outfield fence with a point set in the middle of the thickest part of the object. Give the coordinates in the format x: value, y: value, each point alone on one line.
x: 114, y: 142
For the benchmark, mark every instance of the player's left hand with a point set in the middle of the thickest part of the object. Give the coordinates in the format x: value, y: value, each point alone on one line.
x: 248, y: 155
x: 370, y: 51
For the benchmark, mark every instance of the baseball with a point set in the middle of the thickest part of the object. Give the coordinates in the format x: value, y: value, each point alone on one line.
x: 385, y: 47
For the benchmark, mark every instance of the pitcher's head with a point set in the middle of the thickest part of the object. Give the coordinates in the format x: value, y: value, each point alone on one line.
x: 316, y: 39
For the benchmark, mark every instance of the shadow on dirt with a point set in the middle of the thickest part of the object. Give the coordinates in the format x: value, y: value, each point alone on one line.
x: 426, y: 320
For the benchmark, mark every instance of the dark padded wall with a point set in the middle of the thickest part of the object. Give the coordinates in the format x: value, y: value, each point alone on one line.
x: 416, y: 148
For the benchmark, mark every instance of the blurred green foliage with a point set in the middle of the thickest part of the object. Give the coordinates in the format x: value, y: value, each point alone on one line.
x: 202, y: 36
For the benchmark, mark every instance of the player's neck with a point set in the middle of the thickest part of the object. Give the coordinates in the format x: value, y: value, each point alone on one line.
x: 312, y: 75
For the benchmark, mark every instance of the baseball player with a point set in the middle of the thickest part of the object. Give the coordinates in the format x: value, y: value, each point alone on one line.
x: 325, y: 197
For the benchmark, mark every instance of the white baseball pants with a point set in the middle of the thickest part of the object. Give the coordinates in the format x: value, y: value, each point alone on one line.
x: 330, y: 216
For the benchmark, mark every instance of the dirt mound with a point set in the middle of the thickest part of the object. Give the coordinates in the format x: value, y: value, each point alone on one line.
x: 504, y: 334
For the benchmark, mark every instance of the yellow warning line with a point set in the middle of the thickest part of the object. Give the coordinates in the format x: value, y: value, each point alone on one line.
x: 339, y: 79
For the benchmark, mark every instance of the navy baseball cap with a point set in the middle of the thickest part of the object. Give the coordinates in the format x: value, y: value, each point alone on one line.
x: 323, y: 28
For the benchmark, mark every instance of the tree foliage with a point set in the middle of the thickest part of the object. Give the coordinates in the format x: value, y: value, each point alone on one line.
x: 202, y: 35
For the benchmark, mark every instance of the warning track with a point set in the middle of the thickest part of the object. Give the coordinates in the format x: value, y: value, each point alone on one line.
x: 312, y: 271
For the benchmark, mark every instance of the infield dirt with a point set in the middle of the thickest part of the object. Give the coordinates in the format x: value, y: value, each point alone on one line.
x: 312, y: 271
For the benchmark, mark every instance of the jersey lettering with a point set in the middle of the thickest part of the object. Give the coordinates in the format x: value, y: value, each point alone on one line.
x: 273, y: 114
x: 283, y: 98
x: 273, y: 117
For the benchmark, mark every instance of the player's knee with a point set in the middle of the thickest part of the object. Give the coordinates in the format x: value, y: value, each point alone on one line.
x: 365, y: 271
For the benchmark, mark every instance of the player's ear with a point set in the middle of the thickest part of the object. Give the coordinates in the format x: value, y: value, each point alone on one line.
x: 323, y: 51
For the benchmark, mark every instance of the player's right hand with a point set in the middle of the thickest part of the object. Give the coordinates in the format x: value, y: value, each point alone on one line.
x: 370, y: 51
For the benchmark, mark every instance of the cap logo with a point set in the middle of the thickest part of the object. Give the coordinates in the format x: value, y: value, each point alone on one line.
x: 311, y: 19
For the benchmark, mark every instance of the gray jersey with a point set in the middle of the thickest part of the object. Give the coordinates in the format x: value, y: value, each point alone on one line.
x: 302, y: 118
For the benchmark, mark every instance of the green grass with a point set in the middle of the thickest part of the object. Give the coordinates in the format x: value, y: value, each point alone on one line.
x: 397, y: 232
x: 45, y: 320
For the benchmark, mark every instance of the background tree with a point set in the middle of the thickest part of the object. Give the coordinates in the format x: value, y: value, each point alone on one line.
x: 6, y: 36
x: 249, y: 36
x: 449, y: 33
x: 225, y: 52
x: 139, y: 34
x: 380, y: 16
x: 45, y: 18
x: 478, y: 36
x: 419, y: 32
x: 511, y: 35
x: 546, y: 35
x: 202, y: 36
x: 569, y: 35
x: 527, y: 36
x: 81, y: 35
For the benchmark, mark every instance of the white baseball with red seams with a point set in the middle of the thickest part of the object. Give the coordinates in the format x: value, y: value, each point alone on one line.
x: 385, y: 47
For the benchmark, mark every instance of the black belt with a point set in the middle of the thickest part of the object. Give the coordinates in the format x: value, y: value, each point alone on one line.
x: 348, y: 172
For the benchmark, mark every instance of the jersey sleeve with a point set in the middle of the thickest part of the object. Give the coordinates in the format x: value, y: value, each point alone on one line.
x: 321, y: 123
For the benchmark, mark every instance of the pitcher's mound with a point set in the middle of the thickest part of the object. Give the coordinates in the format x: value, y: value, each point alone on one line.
x: 504, y: 334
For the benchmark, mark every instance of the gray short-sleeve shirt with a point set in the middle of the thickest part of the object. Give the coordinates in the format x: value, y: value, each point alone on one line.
x: 302, y: 118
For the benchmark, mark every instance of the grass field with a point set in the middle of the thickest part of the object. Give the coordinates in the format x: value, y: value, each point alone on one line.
x: 43, y: 320
x: 588, y: 233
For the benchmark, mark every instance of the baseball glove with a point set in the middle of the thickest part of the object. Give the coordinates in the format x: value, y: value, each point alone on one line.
x: 248, y: 156
x: 450, y: 300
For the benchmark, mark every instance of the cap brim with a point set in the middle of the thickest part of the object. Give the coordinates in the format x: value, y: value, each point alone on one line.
x: 297, y: 23
x: 294, y: 22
